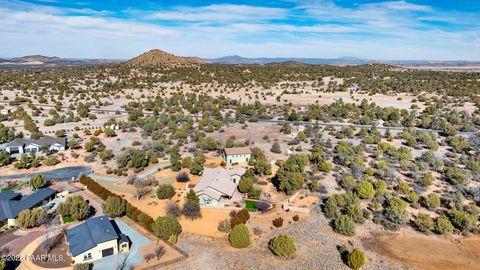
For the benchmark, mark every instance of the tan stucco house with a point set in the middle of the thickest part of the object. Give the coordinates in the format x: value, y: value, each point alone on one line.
x: 94, y: 239
x: 218, y: 186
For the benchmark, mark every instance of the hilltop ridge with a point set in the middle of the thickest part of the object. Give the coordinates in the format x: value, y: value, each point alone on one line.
x: 158, y: 57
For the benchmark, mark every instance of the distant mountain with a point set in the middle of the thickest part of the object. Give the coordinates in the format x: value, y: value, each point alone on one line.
x: 46, y: 61
x: 37, y: 58
x: 160, y: 58
x: 235, y: 59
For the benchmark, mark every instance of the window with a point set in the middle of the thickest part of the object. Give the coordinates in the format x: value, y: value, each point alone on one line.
x: 87, y: 256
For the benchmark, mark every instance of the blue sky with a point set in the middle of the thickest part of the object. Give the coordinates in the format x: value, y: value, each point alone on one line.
x: 401, y: 30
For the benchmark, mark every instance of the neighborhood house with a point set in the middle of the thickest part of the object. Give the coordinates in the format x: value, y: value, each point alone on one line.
x: 236, y: 155
x: 96, y: 238
x: 12, y: 203
x: 218, y: 186
x: 21, y: 145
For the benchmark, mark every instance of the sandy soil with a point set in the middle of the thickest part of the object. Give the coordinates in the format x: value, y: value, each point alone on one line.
x: 428, y: 251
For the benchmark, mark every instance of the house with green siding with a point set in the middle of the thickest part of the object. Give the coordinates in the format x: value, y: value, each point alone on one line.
x: 236, y: 155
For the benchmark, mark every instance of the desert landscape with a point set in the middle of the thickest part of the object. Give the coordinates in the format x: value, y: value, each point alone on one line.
x: 133, y: 135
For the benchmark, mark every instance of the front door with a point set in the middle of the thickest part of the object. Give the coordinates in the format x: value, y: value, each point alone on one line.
x: 107, y: 252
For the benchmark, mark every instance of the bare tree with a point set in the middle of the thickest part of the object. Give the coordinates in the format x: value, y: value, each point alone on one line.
x: 141, y: 189
x: 173, y: 209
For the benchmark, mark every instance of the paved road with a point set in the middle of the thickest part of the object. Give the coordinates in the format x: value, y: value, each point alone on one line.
x: 467, y: 134
x: 61, y: 174
x: 142, y: 174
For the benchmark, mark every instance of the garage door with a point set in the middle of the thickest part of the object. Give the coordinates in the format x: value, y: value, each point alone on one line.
x: 107, y: 252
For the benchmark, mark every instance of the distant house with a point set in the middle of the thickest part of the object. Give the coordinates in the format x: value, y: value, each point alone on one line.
x: 218, y: 186
x: 21, y: 145
x: 96, y: 238
x: 4, y: 111
x: 236, y: 154
x: 12, y: 203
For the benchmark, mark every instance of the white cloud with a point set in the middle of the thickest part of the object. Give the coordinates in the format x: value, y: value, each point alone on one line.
x: 221, y: 12
x: 376, y: 31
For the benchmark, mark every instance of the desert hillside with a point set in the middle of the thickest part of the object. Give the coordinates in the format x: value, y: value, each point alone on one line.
x: 160, y: 58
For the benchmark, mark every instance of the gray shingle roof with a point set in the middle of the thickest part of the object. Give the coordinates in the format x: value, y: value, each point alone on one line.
x: 46, y: 140
x: 11, y: 205
x: 89, y: 234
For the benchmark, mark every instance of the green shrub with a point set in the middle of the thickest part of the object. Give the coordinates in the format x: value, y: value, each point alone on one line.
x: 443, y: 225
x: 51, y: 161
x: 427, y: 179
x: 424, y: 223
x: 282, y: 245
x: 395, y: 213
x: 31, y: 218
x: 245, y: 184
x: 356, y: 259
x: 345, y: 225
x: 239, y: 237
x: 365, y: 190
x: 165, y: 191
x: 431, y: 201
x: 380, y: 187
x: 74, y: 206
x: 165, y: 227
x: 37, y: 181
x: 348, y: 183
x: 114, y: 206
x: 325, y: 166
x: 463, y: 220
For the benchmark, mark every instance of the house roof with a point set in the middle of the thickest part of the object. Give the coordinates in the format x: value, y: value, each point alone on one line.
x: 46, y: 140
x: 89, y: 234
x: 216, y: 182
x: 11, y: 203
x: 237, y: 150
x: 16, y: 142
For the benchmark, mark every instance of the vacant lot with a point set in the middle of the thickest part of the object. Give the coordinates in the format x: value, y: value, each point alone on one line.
x: 429, y: 252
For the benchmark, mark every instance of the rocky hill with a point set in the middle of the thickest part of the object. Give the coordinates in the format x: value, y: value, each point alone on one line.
x: 162, y: 59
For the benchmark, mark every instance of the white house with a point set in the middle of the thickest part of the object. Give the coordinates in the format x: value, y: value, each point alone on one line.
x: 21, y: 145
x: 218, y: 186
x: 236, y: 154
x: 94, y: 239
